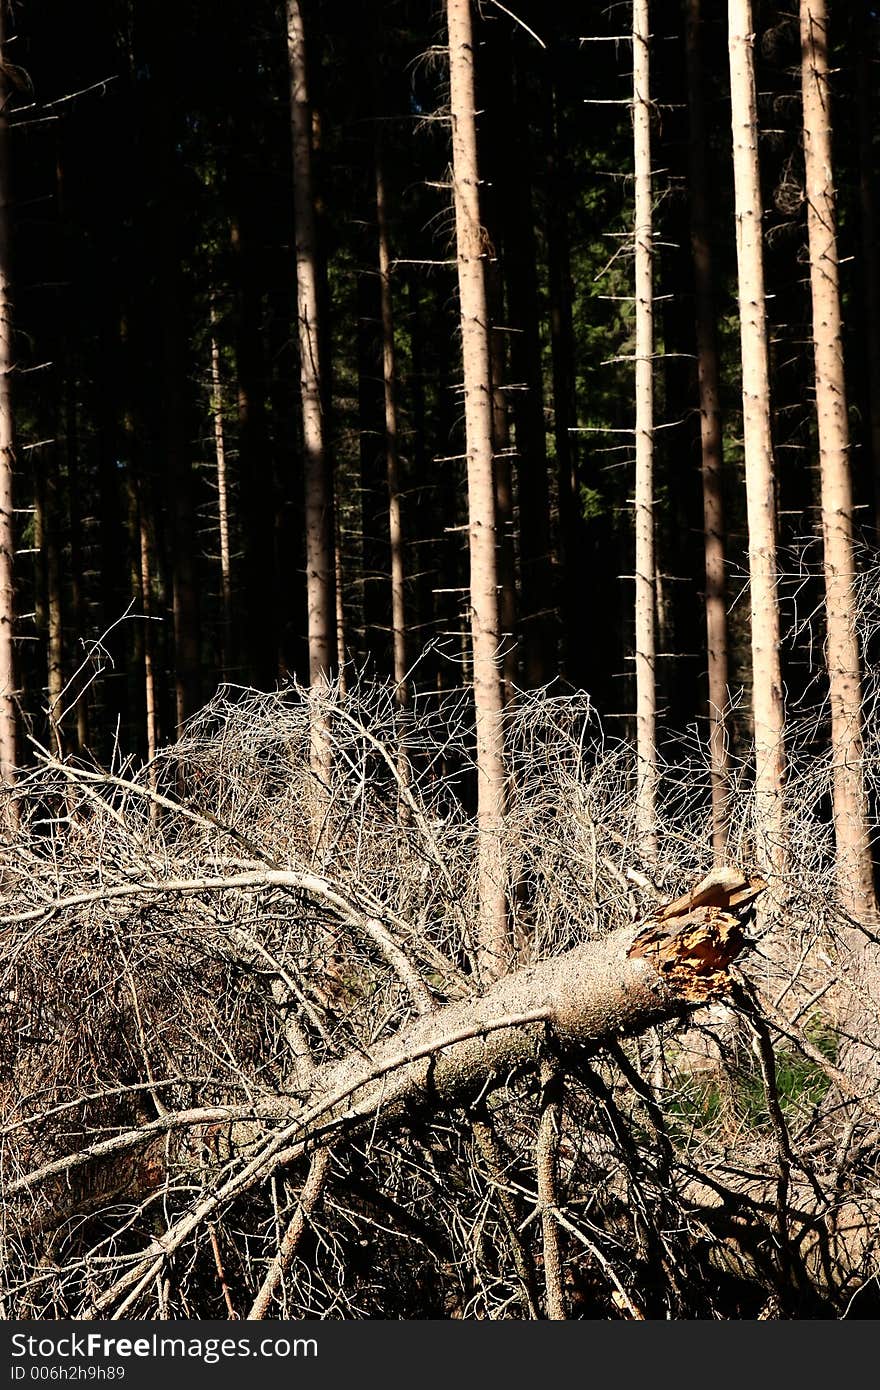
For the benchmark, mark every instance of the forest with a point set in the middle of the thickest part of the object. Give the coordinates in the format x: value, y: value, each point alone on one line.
x: 439, y: 688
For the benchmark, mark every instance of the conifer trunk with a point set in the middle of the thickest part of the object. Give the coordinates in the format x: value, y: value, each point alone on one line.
x: 392, y: 442
x: 645, y: 592
x: 8, y: 730
x: 759, y: 466
x: 320, y: 559
x: 711, y: 435
x: 853, y: 864
x: 492, y: 926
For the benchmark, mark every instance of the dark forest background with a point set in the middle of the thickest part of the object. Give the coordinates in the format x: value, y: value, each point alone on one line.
x: 152, y: 212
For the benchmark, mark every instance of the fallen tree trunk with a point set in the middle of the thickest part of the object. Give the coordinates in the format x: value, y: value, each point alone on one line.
x: 596, y: 992
x: 584, y: 998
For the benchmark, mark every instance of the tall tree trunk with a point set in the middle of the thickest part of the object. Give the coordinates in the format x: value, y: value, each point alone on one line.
x: 78, y: 610
x: 537, y: 616
x: 392, y: 441
x: 8, y: 730
x: 711, y: 434
x: 492, y: 926
x: 146, y: 573
x: 54, y: 607
x: 165, y: 116
x: 504, y: 507
x: 573, y: 632
x: 339, y: 595
x: 760, y: 499
x: 854, y: 868
x: 645, y: 591
x: 256, y: 645
x: 864, y: 59
x: 320, y: 562
x: 222, y: 501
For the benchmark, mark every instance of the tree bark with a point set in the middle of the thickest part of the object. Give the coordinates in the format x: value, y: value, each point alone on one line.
x: 320, y: 559
x: 645, y: 590
x: 537, y: 616
x: 573, y: 636
x: 711, y: 434
x: 485, y: 635
x: 854, y: 869
x: 54, y: 605
x: 222, y: 501
x: 760, y: 499
x: 8, y: 722
x: 870, y: 267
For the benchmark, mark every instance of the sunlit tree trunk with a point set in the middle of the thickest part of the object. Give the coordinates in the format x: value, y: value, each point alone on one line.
x: 854, y: 869
x: 7, y: 449
x: 760, y: 499
x: 320, y: 531
x: 492, y: 926
x: 870, y: 249
x: 645, y: 592
x: 711, y: 435
x: 504, y: 508
x: 147, y: 571
x: 54, y: 606
x: 222, y: 499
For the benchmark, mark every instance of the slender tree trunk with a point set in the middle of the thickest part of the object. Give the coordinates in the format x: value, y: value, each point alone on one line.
x: 173, y: 418
x: 711, y: 434
x: 77, y: 582
x: 146, y: 595
x: 256, y: 641
x: 864, y: 58
x: 392, y: 442
x: 320, y: 562
x: 537, y: 615
x: 492, y: 929
x: 8, y: 730
x: 222, y: 500
x: 760, y: 499
x: 47, y: 584
x: 54, y: 608
x: 854, y: 869
x: 339, y: 595
x: 573, y: 632
x: 504, y: 508
x: 645, y: 596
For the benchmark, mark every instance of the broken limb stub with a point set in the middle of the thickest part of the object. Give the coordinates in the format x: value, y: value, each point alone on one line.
x: 693, y: 940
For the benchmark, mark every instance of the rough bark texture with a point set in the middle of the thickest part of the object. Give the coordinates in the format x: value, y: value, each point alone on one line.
x: 481, y: 494
x: 760, y: 498
x: 320, y: 562
x: 870, y: 250
x: 853, y: 863
x: 711, y: 437
x: 645, y: 596
x: 7, y: 450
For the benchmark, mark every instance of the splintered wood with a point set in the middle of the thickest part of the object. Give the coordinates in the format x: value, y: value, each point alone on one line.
x: 693, y: 939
